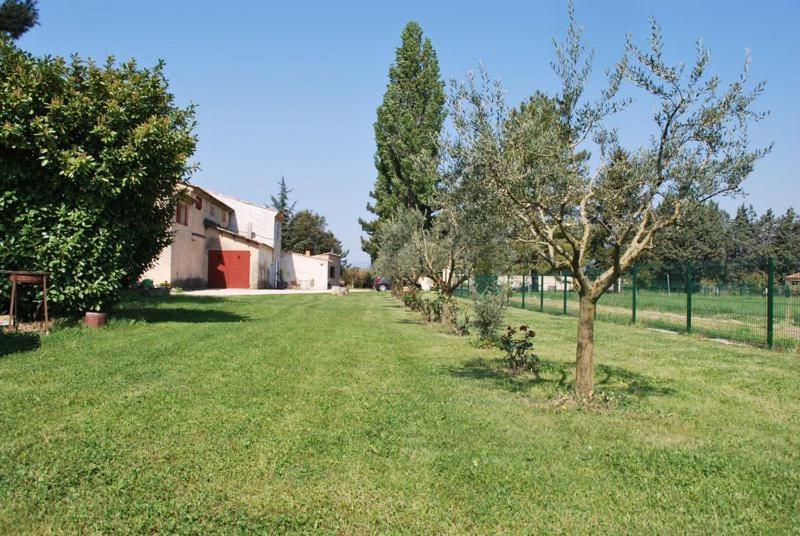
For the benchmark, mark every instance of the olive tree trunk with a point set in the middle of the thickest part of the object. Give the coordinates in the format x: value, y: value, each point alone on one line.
x: 584, y: 358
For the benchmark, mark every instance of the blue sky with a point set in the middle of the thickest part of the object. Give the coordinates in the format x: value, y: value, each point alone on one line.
x: 291, y: 88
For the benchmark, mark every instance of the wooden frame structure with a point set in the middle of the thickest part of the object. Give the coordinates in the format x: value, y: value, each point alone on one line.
x: 19, y: 277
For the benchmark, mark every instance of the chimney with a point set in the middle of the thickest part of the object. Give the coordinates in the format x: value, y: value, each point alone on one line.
x: 308, y: 253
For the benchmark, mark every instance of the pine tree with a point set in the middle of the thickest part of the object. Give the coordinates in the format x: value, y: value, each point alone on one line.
x: 786, y: 248
x: 407, y: 129
x: 704, y: 240
x: 281, y: 202
x: 18, y: 16
x: 748, y: 248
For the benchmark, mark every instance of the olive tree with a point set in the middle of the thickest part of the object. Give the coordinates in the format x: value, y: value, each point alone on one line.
x: 464, y: 237
x: 574, y: 192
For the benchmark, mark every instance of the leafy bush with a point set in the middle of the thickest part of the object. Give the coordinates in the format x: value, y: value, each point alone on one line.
x: 433, y: 309
x: 489, y: 308
x: 92, y: 155
x: 517, y: 343
x: 357, y: 277
x: 457, y: 321
x: 412, y: 300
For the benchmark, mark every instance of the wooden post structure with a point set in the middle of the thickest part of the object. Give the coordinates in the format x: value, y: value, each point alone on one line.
x: 26, y: 278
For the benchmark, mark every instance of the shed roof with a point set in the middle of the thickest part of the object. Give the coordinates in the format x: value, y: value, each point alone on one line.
x: 793, y: 277
x: 243, y: 236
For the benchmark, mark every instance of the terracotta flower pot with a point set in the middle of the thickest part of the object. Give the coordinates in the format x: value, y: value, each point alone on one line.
x: 95, y: 320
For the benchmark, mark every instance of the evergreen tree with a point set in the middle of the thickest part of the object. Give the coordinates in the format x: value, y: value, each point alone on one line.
x: 748, y: 249
x: 309, y: 232
x: 18, y: 16
x: 786, y: 248
x: 704, y: 239
x: 281, y: 202
x: 407, y: 129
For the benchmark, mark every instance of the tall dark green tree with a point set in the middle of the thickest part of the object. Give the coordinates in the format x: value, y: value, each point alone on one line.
x: 748, y: 248
x: 18, y: 16
x: 787, y: 244
x: 407, y: 129
x: 705, y: 239
x: 281, y: 201
x: 309, y: 232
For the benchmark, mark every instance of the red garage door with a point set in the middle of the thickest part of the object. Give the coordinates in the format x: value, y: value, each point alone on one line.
x: 228, y: 269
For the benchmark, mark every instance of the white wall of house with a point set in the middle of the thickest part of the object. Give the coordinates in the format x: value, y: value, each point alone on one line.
x: 184, y: 263
x: 235, y: 225
x: 259, y: 222
x: 310, y: 272
x: 261, y: 255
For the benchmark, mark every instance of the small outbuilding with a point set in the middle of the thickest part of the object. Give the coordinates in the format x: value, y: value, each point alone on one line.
x: 310, y: 272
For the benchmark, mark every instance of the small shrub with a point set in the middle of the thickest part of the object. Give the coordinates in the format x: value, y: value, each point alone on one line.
x: 797, y: 318
x: 357, y: 277
x: 433, y: 310
x: 489, y: 308
x: 458, y: 322
x: 412, y: 300
x: 517, y: 343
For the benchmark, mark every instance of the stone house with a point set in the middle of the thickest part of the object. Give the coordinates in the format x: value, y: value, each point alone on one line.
x: 220, y: 242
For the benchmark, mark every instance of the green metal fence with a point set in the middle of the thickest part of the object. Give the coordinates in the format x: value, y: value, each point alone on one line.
x: 765, y: 314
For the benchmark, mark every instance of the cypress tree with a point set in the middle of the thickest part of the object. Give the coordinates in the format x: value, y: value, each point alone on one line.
x: 407, y: 129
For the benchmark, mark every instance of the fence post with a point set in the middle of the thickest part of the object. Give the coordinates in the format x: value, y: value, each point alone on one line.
x: 523, y: 291
x: 689, y: 290
x: 564, y: 277
x: 633, y: 295
x: 541, y: 294
x: 770, y: 302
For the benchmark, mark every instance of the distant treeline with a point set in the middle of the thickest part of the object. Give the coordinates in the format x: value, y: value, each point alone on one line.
x: 725, y: 249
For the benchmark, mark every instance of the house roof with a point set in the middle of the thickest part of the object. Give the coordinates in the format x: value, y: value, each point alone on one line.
x: 319, y: 256
x: 328, y: 254
x: 793, y: 277
x: 212, y: 225
x: 211, y: 197
x: 258, y: 205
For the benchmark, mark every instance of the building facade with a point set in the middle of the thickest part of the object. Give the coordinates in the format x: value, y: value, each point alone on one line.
x: 310, y: 272
x: 220, y: 242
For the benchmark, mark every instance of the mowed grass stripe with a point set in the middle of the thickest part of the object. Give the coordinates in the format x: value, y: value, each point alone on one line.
x: 317, y: 413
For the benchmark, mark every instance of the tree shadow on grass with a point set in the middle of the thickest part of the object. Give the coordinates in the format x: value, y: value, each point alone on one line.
x: 629, y: 382
x: 11, y: 343
x: 493, y: 370
x: 200, y: 309
x: 560, y: 375
x: 410, y: 321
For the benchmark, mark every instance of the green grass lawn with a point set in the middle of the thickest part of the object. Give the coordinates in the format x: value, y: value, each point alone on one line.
x: 317, y: 414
